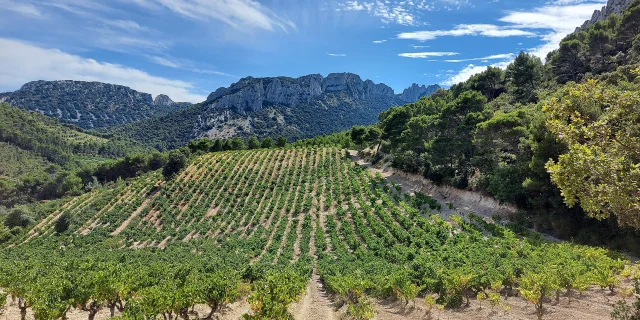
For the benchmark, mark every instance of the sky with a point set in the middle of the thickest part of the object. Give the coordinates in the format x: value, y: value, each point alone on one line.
x: 188, y: 48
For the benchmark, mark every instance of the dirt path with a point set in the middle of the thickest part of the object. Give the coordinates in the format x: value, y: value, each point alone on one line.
x: 463, y: 201
x: 592, y: 305
x: 315, y: 305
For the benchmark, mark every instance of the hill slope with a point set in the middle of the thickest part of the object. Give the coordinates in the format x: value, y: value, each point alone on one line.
x: 267, y: 215
x: 89, y: 104
x: 35, y: 148
x: 295, y: 108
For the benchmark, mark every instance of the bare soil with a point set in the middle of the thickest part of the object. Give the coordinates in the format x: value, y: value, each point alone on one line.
x: 463, y: 201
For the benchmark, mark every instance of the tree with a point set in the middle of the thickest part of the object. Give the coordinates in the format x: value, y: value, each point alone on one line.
x: 217, y: 145
x: 600, y: 47
x: 237, y: 144
x: 281, y: 142
x: 203, y: 144
x: 373, y: 135
x: 253, y: 143
x: 629, y: 26
x: 63, y: 222
x: 267, y: 143
x: 524, y: 77
x: 489, y: 82
x: 18, y: 217
x: 567, y: 62
x: 601, y: 168
x: 358, y: 135
x: 176, y: 162
x: 157, y: 161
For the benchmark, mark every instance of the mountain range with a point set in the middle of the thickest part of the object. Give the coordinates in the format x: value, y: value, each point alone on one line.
x: 274, y: 106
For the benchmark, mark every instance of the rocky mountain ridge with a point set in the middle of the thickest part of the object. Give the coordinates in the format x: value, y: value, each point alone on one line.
x: 89, y: 105
x: 612, y: 7
x: 253, y: 94
x: 296, y: 108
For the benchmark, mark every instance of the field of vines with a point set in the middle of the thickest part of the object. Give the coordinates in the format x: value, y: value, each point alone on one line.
x: 257, y: 225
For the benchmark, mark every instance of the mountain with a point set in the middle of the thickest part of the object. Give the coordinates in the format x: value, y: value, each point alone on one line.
x: 89, y: 104
x: 612, y: 7
x: 415, y: 92
x: 296, y: 108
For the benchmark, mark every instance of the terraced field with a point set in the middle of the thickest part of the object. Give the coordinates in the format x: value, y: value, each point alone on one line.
x: 298, y: 231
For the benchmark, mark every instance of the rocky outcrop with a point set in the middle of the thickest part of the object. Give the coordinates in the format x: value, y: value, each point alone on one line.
x: 162, y: 100
x: 253, y: 94
x: 89, y: 104
x: 612, y: 7
x: 415, y: 92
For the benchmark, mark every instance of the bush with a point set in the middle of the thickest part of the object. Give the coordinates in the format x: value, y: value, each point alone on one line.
x: 62, y: 224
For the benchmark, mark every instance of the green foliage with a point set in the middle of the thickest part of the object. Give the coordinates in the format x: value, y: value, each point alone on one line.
x: 176, y: 162
x: 267, y: 143
x: 62, y: 224
x: 281, y: 142
x: 253, y: 143
x: 524, y: 77
x: 599, y: 123
x: 18, y: 217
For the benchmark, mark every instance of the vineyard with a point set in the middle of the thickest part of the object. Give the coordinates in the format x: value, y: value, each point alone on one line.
x: 258, y: 225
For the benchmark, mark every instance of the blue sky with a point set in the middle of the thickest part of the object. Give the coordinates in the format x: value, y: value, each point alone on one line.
x: 188, y: 48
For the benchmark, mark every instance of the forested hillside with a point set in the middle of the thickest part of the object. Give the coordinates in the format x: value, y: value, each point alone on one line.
x: 39, y: 154
x: 559, y: 139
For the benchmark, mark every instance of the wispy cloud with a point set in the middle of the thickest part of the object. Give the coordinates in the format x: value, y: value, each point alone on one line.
x: 337, y: 54
x: 246, y: 15
x: 126, y: 25
x: 560, y: 19
x: 502, y: 56
x: 188, y: 65
x: 424, y: 55
x: 379, y: 41
x: 389, y: 12
x: 486, y: 30
x: 25, y: 9
x: 26, y: 62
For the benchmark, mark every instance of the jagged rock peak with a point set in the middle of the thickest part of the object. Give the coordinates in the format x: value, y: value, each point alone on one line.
x: 415, y: 92
x: 612, y: 6
x: 251, y: 94
x: 162, y: 100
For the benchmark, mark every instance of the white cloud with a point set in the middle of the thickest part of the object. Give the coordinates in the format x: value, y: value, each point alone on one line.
x: 186, y: 65
x: 420, y: 47
x: 127, y: 25
x: 560, y: 19
x: 164, y: 62
x: 379, y: 41
x: 337, y: 54
x: 424, y: 55
x: 486, y: 30
x: 26, y: 62
x: 400, y: 12
x: 25, y: 9
x: 470, y: 70
x: 502, y: 56
x: 243, y: 15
